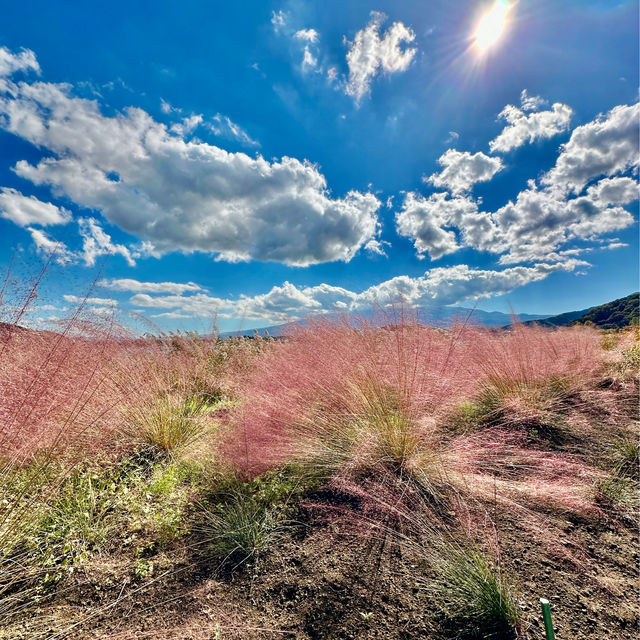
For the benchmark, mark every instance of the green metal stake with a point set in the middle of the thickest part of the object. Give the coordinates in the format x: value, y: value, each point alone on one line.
x: 546, y: 614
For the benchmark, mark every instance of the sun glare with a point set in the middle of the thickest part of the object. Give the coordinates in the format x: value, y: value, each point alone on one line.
x: 491, y: 25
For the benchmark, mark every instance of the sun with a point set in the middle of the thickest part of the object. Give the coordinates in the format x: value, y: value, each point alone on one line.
x: 491, y: 25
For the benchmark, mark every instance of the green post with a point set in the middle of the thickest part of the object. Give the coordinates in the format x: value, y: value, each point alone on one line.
x: 546, y: 614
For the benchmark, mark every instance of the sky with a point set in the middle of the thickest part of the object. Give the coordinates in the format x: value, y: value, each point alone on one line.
x: 255, y: 162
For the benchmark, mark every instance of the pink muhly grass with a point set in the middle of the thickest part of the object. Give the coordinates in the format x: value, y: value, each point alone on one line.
x: 334, y: 391
x: 527, y: 354
x: 54, y: 388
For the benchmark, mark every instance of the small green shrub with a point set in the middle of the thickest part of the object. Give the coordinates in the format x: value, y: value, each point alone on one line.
x: 241, y: 520
x: 617, y: 490
x: 625, y: 454
x: 620, y: 486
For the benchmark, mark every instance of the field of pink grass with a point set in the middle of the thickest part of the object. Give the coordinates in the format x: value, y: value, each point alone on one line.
x: 475, y: 422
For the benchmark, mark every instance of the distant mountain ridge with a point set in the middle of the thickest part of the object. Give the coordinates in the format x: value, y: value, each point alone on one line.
x: 611, y: 315
x: 437, y: 316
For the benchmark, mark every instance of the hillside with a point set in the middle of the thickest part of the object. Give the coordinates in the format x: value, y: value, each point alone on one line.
x: 613, y: 315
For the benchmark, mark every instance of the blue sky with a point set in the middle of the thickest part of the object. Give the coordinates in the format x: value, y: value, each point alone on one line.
x: 263, y: 161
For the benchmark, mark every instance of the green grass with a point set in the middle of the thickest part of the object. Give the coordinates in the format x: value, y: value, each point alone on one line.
x: 173, y: 422
x: 537, y: 406
x: 472, y: 595
x: 138, y: 503
x: 242, y: 520
x: 240, y: 529
x: 620, y: 487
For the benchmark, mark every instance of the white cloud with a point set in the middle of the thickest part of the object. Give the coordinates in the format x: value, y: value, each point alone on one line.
x: 278, y: 19
x: 179, y: 194
x: 50, y: 247
x: 463, y: 169
x: 224, y: 127
x: 423, y: 219
x: 10, y: 62
x: 543, y: 220
x: 167, y: 108
x: 377, y: 247
x: 309, y: 35
x: 98, y: 302
x: 95, y: 243
x: 129, y: 284
x: 369, y: 54
x: 25, y: 210
x: 288, y: 302
x: 523, y: 128
x: 309, y: 61
x: 531, y: 103
x: 604, y: 147
x: 532, y: 228
x: 187, y: 125
x: 454, y: 136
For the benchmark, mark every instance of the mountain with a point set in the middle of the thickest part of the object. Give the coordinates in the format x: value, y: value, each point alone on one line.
x: 611, y: 315
x: 436, y: 316
x: 561, y: 320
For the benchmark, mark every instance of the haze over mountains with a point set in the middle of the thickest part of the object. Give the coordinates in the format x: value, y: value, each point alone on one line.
x: 615, y: 314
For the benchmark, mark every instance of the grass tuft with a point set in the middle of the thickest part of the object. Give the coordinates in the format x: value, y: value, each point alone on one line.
x: 473, y: 595
x: 240, y: 529
x: 170, y: 423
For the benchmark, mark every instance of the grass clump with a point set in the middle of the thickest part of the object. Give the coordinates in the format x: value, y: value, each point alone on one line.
x: 244, y: 520
x: 537, y: 406
x: 172, y: 422
x: 473, y: 595
x: 620, y: 486
x: 240, y: 529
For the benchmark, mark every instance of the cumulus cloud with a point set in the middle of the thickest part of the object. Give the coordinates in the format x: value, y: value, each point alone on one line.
x: 377, y: 247
x: 571, y: 202
x: 423, y: 220
x: 604, y: 147
x: 182, y: 194
x: 96, y: 242
x: 10, y: 62
x: 532, y: 228
x: 463, y: 169
x: 309, y: 35
x: 288, y: 302
x: 369, y: 54
x: 523, y: 128
x: 129, y: 284
x: 187, y: 125
x: 25, y: 210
